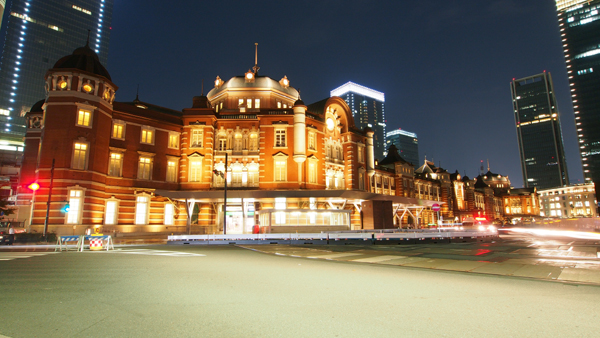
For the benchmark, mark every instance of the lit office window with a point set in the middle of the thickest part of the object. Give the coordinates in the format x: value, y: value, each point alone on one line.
x: 79, y: 155
x: 195, y: 170
x: 169, y: 213
x: 280, y: 137
x: 115, y: 164
x: 280, y: 169
x: 83, y: 118
x: 110, y: 214
x: 171, y: 171
x: 147, y: 135
x: 174, y: 141
x: 256, y: 103
x: 118, y: 130
x: 197, y: 136
x: 145, y: 168
x: 75, y: 203
x: 142, y: 204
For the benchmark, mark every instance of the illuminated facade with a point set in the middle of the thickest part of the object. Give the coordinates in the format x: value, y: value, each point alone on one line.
x: 538, y: 132
x: 368, y: 110
x: 137, y: 167
x: 407, y: 144
x: 579, y: 24
x: 578, y: 200
x: 38, y: 34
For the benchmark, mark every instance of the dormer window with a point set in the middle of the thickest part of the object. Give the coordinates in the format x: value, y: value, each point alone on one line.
x: 218, y: 82
x: 284, y: 82
x: 249, y: 76
x: 88, y: 88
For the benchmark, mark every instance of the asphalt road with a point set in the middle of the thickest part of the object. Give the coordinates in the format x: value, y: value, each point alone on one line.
x: 200, y: 291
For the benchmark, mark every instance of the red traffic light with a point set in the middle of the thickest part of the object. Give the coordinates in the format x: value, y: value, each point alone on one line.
x: 34, y: 186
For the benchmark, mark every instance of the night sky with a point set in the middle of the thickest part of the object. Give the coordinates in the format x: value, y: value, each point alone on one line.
x: 445, y: 66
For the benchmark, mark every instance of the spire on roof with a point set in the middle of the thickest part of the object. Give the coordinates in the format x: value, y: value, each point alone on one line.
x: 256, y: 67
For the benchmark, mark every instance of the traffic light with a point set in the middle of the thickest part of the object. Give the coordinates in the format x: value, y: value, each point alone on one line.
x: 33, y: 186
x: 66, y: 208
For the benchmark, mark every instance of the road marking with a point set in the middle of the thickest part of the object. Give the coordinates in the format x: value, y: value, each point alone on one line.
x: 150, y: 252
x: 9, y: 256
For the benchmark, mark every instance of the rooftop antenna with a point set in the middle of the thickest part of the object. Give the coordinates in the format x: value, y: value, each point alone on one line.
x: 202, y: 94
x: 481, y: 168
x: 488, y: 162
x: 88, y: 38
x: 256, y: 67
x: 137, y: 93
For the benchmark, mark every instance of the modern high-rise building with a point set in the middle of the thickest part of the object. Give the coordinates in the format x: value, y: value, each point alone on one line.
x: 367, y: 106
x: 407, y: 144
x: 538, y: 132
x: 38, y: 33
x: 579, y: 24
x: 2, y: 6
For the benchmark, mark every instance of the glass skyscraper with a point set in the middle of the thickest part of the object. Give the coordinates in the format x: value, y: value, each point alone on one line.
x: 39, y: 32
x: 579, y: 25
x: 367, y: 106
x: 538, y: 132
x: 407, y: 144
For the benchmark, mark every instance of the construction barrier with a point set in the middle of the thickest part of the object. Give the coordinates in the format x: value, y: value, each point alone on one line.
x: 95, y: 242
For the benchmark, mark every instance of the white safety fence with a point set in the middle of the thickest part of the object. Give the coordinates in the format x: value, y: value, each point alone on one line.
x: 338, y: 236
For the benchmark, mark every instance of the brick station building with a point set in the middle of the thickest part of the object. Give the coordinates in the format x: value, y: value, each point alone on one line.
x: 137, y: 167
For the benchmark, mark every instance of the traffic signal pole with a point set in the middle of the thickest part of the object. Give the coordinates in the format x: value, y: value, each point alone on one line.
x: 49, y: 199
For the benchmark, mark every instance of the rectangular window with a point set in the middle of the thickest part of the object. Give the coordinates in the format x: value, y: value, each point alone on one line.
x: 174, y: 141
x: 79, y: 155
x: 141, y: 210
x: 361, y: 156
x: 145, y: 168
x: 312, y: 173
x: 312, y: 141
x: 240, y: 102
x: 83, y: 118
x: 118, y: 130
x: 280, y: 170
x: 197, y: 136
x: 75, y: 203
x: 171, y: 171
x: 278, y: 104
x: 110, y: 214
x: 222, y: 144
x: 249, y: 103
x: 115, y: 164
x: 280, y: 137
x: 147, y: 135
x: 253, y: 142
x: 169, y: 213
x: 195, y: 170
x: 256, y: 103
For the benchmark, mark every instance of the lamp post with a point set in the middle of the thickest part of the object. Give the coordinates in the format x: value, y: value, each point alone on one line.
x: 49, y: 199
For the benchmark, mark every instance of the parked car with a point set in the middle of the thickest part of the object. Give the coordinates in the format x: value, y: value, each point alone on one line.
x: 6, y: 238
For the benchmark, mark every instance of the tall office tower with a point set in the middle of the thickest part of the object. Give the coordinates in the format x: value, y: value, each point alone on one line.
x: 38, y: 33
x: 538, y: 132
x: 407, y: 144
x: 367, y: 106
x: 579, y: 24
x: 2, y: 6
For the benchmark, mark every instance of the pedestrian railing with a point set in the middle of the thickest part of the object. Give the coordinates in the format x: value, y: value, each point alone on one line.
x: 62, y: 242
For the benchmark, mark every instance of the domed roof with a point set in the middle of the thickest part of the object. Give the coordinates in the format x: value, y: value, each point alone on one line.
x: 83, y: 58
x: 259, y: 82
x: 37, y: 107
